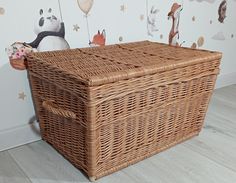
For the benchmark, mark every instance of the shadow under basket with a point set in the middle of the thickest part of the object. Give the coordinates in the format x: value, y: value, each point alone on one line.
x: 109, y: 107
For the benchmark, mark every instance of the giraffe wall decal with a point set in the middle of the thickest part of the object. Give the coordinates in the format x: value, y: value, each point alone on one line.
x: 174, y: 14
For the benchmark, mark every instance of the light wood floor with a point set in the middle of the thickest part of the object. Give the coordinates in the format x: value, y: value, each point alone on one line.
x: 208, y: 158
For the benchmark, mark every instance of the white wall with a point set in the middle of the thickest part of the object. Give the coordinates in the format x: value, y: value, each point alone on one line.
x: 17, y: 25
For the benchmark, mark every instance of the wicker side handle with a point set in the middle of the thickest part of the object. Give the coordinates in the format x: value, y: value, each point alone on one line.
x: 53, y: 108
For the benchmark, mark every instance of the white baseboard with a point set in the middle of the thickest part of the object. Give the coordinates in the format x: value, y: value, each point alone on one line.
x: 19, y: 136
x: 226, y: 80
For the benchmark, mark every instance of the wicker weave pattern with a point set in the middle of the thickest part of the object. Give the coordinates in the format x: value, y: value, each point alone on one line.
x: 108, y: 107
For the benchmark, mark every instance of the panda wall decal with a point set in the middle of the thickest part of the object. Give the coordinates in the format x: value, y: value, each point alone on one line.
x: 50, y: 32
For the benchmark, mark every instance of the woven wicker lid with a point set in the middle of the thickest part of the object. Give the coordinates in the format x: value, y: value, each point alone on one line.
x: 101, y: 65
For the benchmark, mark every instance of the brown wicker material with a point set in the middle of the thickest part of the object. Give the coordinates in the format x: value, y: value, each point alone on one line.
x: 19, y: 64
x: 105, y: 108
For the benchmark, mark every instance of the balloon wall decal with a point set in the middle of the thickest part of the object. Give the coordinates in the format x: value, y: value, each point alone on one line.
x: 200, y: 41
x: 194, y: 46
x: 120, y: 38
x: 85, y: 5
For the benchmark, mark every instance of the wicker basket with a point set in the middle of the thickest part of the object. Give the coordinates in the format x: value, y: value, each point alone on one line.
x: 105, y: 108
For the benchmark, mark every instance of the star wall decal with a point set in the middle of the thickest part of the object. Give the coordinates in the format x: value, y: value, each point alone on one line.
x: 123, y: 8
x: 76, y: 27
x: 21, y: 96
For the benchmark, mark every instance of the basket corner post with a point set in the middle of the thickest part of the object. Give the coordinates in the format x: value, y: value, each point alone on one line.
x: 91, y: 142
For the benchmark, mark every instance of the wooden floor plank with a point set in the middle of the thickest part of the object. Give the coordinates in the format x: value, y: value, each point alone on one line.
x: 208, y: 158
x: 117, y: 177
x: 223, y: 104
x: 182, y: 165
x: 217, y: 123
x: 10, y: 171
x: 217, y: 141
x: 227, y: 93
x: 43, y: 164
x: 216, y: 146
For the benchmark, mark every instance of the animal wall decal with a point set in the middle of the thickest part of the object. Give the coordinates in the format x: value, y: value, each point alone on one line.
x: 123, y: 8
x: 174, y: 14
x: 99, y: 39
x: 50, y: 32
x: 222, y: 11
x: 152, y: 21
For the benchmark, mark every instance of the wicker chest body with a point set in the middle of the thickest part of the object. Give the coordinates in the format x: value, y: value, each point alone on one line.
x: 105, y: 108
